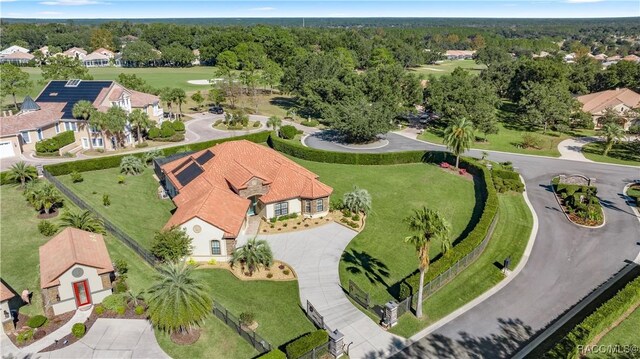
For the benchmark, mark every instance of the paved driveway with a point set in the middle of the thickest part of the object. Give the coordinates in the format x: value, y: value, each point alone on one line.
x: 315, y: 255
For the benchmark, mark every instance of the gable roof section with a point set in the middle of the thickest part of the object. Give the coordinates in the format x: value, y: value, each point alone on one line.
x: 70, y: 247
x: 5, y: 292
x: 597, y: 102
x: 29, y: 105
x: 48, y: 114
x: 57, y: 91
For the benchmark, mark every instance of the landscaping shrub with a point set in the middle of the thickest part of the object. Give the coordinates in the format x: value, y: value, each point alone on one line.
x: 121, y: 310
x: 120, y: 286
x: 269, y: 275
x: 309, y: 123
x: 99, y: 309
x: 46, y: 228
x: 306, y: 343
x: 154, y: 133
x: 36, y: 321
x: 76, y: 177
x: 603, y: 317
x: 634, y: 130
x: 274, y: 354
x: 142, y: 144
x: 78, y: 330
x: 113, y: 301
x: 256, y: 124
x: 166, y: 129
x: 212, y: 262
x: 178, y: 126
x: 288, y: 132
x: 54, y: 144
x: 247, y: 318
x: 131, y: 165
x: 580, y: 201
x: 286, y: 272
x: 24, y: 336
x: 105, y: 200
x: 531, y: 140
x: 121, y: 179
x: 139, y: 310
x: 121, y: 267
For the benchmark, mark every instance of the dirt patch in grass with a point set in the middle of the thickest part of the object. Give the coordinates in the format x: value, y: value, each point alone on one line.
x: 53, y: 214
x: 186, y: 338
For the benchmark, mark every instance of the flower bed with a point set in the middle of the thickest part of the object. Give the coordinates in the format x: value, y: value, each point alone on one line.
x: 294, y: 224
x: 279, y: 271
x: 579, y: 203
x: 50, y: 326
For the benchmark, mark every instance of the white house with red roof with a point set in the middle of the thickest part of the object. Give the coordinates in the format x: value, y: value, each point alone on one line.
x: 217, y: 190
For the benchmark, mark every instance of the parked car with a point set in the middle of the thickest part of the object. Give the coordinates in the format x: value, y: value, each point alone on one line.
x: 218, y: 110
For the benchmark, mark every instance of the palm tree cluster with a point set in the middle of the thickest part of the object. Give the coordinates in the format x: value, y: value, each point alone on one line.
x: 253, y: 255
x: 43, y: 196
x: 172, y: 96
x: 22, y: 172
x: 358, y: 200
x: 274, y: 122
x: 459, y: 137
x: 84, y: 220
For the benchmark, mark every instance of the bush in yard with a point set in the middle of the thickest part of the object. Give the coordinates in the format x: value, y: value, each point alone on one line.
x: 121, y: 179
x: 131, y: 165
x: 121, y: 310
x: 306, y: 343
x: 531, y: 140
x: 358, y: 200
x: 288, y: 132
x: 52, y: 145
x: 105, y: 200
x: 139, y: 310
x: 149, y: 156
x: 178, y: 126
x: 113, y: 301
x: 24, y: 336
x: 120, y: 286
x: 99, y: 309
x: 36, y: 321
x: 274, y: 354
x: 634, y: 130
x: 121, y: 267
x: 309, y: 123
x: 78, y: 330
x: 166, y: 130
x: 247, y: 318
x: 76, y: 177
x: 47, y: 229
x: 171, y: 245
x: 154, y: 133
x: 256, y: 124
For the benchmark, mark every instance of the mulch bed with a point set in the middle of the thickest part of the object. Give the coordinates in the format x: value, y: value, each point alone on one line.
x: 51, y: 326
x: 187, y: 338
x: 458, y: 172
x: 44, y: 215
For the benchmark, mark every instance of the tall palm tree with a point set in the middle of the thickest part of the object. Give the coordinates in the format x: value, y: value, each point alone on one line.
x: 46, y: 197
x: 177, y: 301
x: 82, y: 220
x: 180, y: 97
x: 139, y: 119
x: 22, y: 172
x: 275, y: 122
x: 84, y: 109
x: 427, y: 225
x: 254, y: 254
x: 612, y: 134
x: 459, y: 137
x: 166, y: 95
x: 358, y: 200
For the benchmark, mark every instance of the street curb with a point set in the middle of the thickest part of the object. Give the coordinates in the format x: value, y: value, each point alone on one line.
x: 484, y: 296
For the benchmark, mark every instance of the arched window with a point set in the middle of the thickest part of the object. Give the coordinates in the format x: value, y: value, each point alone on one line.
x: 215, y: 247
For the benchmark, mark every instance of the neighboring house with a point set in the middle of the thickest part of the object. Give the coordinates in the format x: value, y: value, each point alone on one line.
x: 542, y: 54
x: 44, y: 50
x: 6, y: 295
x: 52, y: 113
x: 621, y: 100
x: 632, y: 58
x: 196, y: 60
x: 96, y: 59
x: 459, y: 54
x: 217, y: 191
x: 614, y: 58
x: 14, y: 49
x: 600, y: 57
x: 16, y: 58
x: 75, y: 271
x: 76, y: 52
x: 569, y: 58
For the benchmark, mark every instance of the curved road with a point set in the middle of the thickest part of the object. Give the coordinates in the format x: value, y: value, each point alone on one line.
x: 566, y: 262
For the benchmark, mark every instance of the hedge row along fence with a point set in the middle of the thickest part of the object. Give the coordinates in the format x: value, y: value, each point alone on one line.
x: 54, y: 144
x: 306, y: 343
x: 583, y: 333
x: 101, y: 163
x: 488, y: 194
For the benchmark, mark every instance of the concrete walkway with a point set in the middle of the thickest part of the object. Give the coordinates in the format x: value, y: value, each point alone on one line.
x: 315, y: 255
x: 571, y: 149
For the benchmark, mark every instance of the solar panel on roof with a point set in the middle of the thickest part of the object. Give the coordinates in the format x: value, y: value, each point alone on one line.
x: 204, y: 158
x: 57, y: 91
x: 189, y: 174
x: 72, y: 83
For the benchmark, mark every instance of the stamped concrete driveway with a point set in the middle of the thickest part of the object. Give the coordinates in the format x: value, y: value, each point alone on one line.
x: 114, y: 339
x: 315, y: 255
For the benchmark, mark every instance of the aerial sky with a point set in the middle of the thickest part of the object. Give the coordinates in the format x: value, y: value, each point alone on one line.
x: 65, y: 9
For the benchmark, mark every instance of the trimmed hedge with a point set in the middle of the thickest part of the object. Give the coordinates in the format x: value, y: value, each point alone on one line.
x: 306, y: 343
x: 96, y: 164
x: 288, y: 132
x: 78, y: 330
x: 36, y: 321
x: 274, y: 354
x: 55, y: 143
x: 504, y: 174
x: 583, y: 333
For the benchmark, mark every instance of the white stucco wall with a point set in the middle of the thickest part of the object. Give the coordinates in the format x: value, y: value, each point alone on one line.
x: 202, y: 240
x: 65, y: 290
x: 295, y: 206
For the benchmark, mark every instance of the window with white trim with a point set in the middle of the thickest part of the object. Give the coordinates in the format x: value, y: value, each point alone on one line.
x: 281, y: 209
x: 39, y: 132
x: 70, y: 126
x: 25, y: 136
x: 319, y: 205
x: 97, y: 142
x: 307, y: 206
x: 215, y: 248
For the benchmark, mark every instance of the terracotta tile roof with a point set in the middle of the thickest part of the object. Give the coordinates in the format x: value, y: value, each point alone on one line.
x: 95, y: 56
x: 72, y: 51
x: 5, y: 293
x: 116, y: 92
x: 459, y: 53
x: 229, y: 169
x: 631, y: 58
x: 18, y: 55
x: 49, y: 113
x: 103, y: 51
x: 141, y: 99
x: 70, y: 247
x: 597, y: 102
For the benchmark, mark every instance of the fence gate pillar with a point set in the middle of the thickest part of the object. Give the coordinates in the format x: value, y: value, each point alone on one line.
x: 390, y: 314
x: 336, y: 343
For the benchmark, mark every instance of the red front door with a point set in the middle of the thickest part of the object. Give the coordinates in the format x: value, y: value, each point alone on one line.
x: 81, y: 290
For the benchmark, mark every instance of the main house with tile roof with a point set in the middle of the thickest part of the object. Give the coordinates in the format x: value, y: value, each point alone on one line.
x: 621, y: 100
x: 218, y: 190
x: 52, y: 113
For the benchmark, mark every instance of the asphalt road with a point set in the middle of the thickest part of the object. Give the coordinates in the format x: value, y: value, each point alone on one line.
x: 566, y: 263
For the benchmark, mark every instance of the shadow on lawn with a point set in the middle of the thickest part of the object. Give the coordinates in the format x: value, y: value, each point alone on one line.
x: 363, y: 263
x: 628, y: 151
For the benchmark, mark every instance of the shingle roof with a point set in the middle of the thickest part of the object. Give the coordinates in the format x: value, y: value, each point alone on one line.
x: 5, y: 293
x: 49, y: 113
x: 227, y: 168
x: 70, y: 247
x: 598, y: 101
x: 29, y: 105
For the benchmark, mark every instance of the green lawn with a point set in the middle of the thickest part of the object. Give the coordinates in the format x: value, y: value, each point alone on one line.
x: 135, y: 207
x: 627, y: 153
x: 378, y: 257
x: 276, y: 307
x: 509, y: 240
x: 446, y: 67
x: 626, y: 333
x: 20, y: 240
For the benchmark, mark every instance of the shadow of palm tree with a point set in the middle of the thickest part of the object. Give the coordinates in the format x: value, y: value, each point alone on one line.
x: 363, y: 263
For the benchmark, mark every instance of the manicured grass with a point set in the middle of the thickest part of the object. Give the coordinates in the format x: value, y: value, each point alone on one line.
x: 378, y: 257
x: 446, y: 67
x: 626, y: 333
x: 275, y: 305
x: 509, y: 240
x: 135, y: 207
x: 627, y: 153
